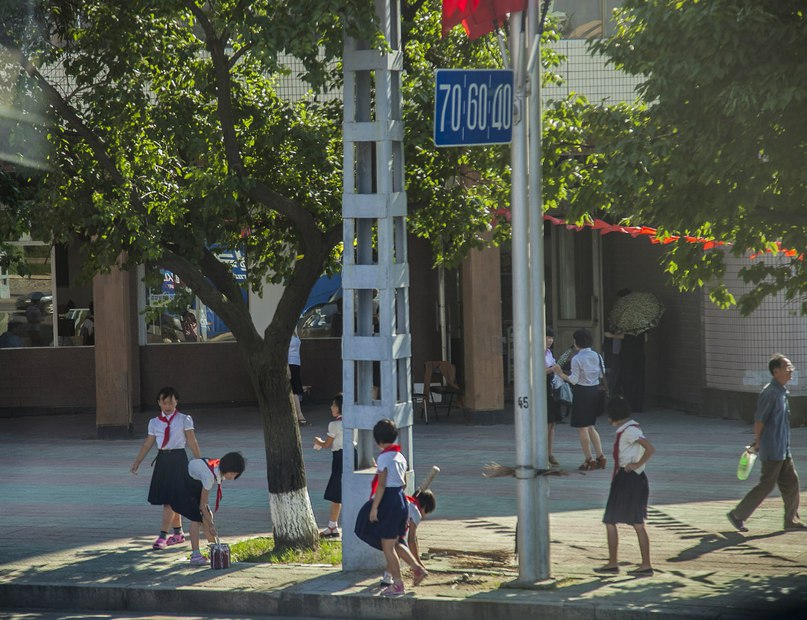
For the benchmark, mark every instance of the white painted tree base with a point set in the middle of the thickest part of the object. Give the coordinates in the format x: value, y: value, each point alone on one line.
x: 292, y: 517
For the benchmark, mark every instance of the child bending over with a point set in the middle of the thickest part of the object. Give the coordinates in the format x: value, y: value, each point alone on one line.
x: 202, y: 475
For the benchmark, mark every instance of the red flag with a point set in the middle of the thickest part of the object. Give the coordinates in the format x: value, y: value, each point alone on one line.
x: 478, y: 17
x: 454, y: 11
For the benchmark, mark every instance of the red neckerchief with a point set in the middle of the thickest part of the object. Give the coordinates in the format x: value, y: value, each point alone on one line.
x: 374, y: 483
x: 211, y: 465
x: 616, y: 448
x: 414, y: 500
x: 163, y: 418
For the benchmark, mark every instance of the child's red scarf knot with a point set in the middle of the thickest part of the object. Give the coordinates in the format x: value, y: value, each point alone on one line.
x: 167, y: 420
x: 374, y: 483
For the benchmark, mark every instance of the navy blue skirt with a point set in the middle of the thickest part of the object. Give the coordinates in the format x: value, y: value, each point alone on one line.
x: 587, y: 404
x: 187, y: 501
x: 295, y: 380
x: 168, y: 478
x: 627, y: 500
x: 552, y: 406
x: 393, y: 515
x: 333, y: 492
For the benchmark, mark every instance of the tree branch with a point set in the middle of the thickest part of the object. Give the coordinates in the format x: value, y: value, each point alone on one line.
x: 301, y: 219
x: 241, y: 51
x: 213, y: 282
x: 221, y: 68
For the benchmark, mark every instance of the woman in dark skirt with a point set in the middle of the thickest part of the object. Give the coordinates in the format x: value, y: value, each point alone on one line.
x: 627, y: 499
x: 587, y: 403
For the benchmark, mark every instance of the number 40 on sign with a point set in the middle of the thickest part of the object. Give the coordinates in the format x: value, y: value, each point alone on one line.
x: 473, y: 106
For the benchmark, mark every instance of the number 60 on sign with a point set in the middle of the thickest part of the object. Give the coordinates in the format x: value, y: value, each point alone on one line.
x: 473, y: 106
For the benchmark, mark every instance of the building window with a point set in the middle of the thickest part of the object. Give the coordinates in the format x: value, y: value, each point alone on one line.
x: 584, y: 19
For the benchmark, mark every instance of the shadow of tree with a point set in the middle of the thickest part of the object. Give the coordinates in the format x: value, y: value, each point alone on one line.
x: 771, y: 598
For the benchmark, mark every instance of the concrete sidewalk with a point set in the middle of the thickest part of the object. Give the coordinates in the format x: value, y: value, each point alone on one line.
x: 77, y: 529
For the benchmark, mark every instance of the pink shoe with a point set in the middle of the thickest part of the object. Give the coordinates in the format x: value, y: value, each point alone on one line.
x: 175, y: 539
x: 199, y: 560
x: 160, y: 543
x: 394, y: 590
x: 419, y: 575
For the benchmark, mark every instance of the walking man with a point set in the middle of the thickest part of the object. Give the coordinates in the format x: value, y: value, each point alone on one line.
x: 772, y: 442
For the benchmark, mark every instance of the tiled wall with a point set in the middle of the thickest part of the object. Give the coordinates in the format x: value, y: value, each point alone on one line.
x: 737, y: 348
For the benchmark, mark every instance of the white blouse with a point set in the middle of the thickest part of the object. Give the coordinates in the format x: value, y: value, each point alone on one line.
x: 586, y: 368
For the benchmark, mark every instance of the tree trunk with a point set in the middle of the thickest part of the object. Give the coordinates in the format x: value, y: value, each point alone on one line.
x: 289, y: 505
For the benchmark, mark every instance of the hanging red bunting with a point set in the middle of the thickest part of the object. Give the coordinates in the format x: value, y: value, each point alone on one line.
x: 634, y: 231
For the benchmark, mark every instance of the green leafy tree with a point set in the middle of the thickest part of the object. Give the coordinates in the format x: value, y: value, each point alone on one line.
x: 168, y: 139
x: 716, y: 146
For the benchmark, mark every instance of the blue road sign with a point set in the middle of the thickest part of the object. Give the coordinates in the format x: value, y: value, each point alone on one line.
x: 473, y: 106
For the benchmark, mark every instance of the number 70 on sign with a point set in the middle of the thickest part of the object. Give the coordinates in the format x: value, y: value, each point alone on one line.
x: 473, y: 107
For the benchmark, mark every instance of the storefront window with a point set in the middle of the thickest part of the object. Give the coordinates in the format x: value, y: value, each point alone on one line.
x: 26, y: 297
x: 173, y: 313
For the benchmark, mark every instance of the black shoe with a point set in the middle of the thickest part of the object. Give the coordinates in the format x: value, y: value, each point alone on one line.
x: 795, y: 526
x: 738, y: 525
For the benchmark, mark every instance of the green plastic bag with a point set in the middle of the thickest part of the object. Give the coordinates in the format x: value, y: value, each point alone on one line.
x: 747, y: 460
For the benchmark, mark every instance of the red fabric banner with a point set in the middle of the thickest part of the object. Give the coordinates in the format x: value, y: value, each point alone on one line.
x: 478, y: 17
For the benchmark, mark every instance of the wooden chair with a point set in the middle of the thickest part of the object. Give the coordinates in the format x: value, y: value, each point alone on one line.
x: 439, y: 379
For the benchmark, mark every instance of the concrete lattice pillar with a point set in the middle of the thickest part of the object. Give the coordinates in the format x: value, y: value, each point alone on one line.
x: 376, y: 343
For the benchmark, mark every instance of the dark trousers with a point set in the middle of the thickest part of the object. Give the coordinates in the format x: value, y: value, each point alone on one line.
x: 781, y: 473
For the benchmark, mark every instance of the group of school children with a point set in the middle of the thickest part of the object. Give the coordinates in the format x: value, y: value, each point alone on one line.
x: 180, y: 486
x: 389, y: 520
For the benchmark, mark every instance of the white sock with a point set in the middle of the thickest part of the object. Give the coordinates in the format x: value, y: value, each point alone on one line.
x: 332, y: 525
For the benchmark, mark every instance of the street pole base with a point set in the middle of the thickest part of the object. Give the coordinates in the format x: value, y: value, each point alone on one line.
x: 550, y: 583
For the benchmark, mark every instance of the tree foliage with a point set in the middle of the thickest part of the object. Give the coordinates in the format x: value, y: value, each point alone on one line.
x: 716, y: 146
x: 169, y: 139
